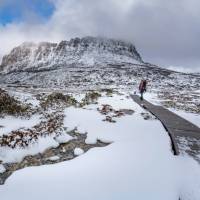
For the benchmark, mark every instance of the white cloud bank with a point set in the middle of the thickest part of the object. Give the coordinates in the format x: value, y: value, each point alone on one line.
x: 183, y: 69
x: 165, y: 32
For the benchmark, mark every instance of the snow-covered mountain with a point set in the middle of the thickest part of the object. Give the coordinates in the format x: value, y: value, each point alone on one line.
x: 87, y: 63
x: 87, y: 51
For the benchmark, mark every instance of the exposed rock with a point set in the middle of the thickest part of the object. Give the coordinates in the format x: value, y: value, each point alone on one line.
x: 148, y: 116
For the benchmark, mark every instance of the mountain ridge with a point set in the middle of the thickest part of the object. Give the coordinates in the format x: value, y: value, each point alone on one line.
x: 87, y: 51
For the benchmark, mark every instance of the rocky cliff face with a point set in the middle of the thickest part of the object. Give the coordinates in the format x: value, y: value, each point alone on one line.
x: 87, y: 51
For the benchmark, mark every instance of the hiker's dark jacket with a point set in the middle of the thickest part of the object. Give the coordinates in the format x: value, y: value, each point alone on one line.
x: 142, y: 86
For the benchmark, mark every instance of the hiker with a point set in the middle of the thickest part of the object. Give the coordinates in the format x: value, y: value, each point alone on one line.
x: 142, y: 88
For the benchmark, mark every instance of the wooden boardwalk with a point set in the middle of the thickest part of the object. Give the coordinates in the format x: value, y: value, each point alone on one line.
x: 184, y: 135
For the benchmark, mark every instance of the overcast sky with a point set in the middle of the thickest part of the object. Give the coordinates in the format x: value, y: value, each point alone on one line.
x: 165, y: 32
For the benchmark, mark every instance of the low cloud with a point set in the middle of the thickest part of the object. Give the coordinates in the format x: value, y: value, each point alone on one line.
x: 164, y: 32
x: 183, y: 69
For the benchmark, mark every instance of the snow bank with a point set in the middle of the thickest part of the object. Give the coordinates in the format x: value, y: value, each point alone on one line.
x: 63, y: 138
x: 9, y: 155
x: 10, y: 123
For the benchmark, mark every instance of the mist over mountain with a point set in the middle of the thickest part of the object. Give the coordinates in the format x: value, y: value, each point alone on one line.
x: 87, y: 51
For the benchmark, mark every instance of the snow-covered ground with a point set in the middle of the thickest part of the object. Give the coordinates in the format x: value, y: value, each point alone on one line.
x: 152, y: 97
x: 10, y: 123
x: 194, y: 118
x: 138, y: 164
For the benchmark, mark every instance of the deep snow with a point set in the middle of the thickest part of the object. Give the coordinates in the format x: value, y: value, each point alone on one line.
x: 10, y: 123
x: 139, y: 164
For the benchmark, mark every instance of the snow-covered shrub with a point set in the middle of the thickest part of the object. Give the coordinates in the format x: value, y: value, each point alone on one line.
x: 23, y: 137
x: 58, y: 99
x: 9, y: 105
x: 90, y: 97
x: 109, y: 91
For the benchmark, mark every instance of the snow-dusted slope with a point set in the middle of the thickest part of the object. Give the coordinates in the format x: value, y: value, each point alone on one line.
x: 87, y: 51
x: 88, y: 63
